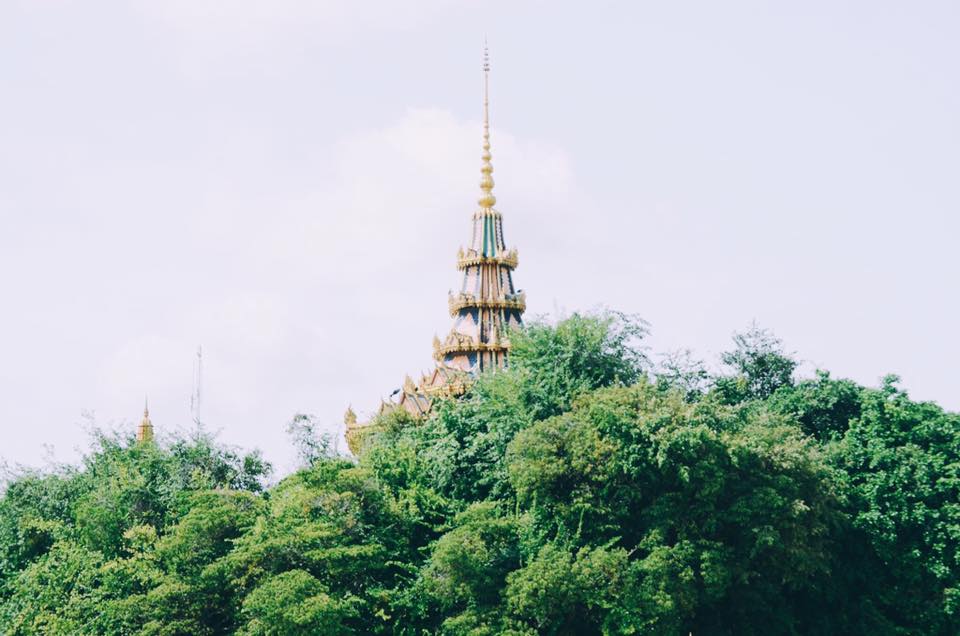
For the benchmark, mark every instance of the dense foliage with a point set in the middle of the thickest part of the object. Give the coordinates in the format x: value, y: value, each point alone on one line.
x: 583, y: 491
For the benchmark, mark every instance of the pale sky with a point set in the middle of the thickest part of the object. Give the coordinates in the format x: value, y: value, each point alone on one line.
x: 287, y: 184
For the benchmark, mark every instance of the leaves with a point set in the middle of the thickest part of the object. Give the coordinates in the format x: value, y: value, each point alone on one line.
x: 568, y: 494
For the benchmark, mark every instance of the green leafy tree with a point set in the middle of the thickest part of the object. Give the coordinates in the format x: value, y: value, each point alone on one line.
x: 902, y: 461
x: 758, y: 364
x: 311, y: 442
x: 824, y: 407
x: 723, y: 528
x: 40, y: 598
x: 577, y: 492
x: 580, y: 353
x: 295, y: 602
x: 468, y: 565
x: 332, y: 522
x: 680, y: 370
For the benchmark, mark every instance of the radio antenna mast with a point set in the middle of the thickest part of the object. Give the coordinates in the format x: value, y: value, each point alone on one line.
x: 197, y: 387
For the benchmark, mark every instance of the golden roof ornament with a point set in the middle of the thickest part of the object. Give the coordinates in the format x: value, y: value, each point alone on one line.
x: 350, y: 417
x: 145, y: 429
x: 486, y: 200
x: 354, y: 429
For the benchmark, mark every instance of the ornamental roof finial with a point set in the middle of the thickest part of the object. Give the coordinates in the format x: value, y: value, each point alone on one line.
x: 350, y: 418
x: 486, y: 200
x: 145, y: 430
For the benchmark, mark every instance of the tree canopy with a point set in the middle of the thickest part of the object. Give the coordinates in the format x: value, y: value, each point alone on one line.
x: 584, y: 490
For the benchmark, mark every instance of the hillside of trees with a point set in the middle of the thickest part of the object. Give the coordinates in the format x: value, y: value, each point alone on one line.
x: 586, y: 490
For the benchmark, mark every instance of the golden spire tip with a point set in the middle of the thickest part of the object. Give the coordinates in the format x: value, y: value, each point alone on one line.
x: 486, y: 200
x: 145, y: 430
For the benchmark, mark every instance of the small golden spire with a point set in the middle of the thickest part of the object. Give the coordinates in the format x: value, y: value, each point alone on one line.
x: 145, y: 430
x: 486, y: 200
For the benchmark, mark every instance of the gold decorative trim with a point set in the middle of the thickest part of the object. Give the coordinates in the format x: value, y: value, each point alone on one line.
x: 462, y: 301
x: 449, y: 389
x: 471, y: 258
x: 469, y: 346
x: 486, y: 200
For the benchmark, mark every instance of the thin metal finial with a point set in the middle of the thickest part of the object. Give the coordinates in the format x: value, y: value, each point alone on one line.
x: 486, y: 200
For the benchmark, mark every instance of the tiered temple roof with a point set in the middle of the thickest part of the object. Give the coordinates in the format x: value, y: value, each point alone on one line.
x: 487, y: 304
x: 484, y: 310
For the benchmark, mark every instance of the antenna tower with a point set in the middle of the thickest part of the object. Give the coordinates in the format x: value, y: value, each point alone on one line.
x: 197, y: 387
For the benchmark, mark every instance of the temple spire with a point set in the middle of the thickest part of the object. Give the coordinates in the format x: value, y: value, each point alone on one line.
x: 486, y: 308
x: 145, y: 430
x: 487, y: 305
x: 486, y: 200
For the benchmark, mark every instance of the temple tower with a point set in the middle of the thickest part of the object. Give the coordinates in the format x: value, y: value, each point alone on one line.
x: 484, y: 309
x: 487, y: 304
x: 145, y: 428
